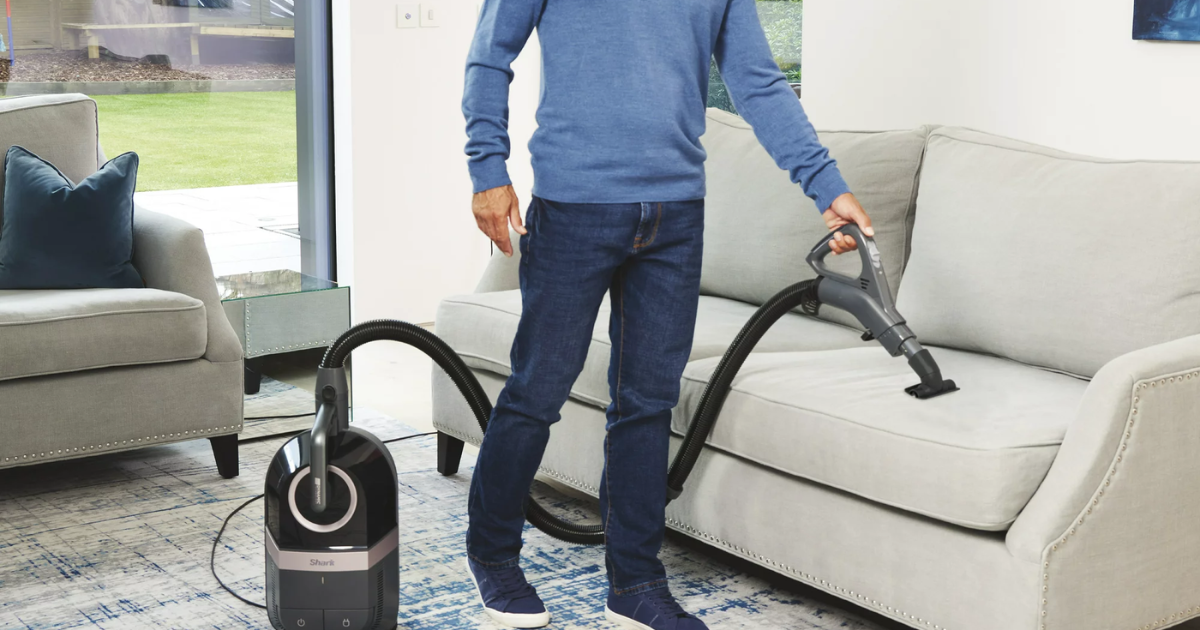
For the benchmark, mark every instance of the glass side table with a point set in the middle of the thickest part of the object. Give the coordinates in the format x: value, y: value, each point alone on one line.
x: 282, y: 311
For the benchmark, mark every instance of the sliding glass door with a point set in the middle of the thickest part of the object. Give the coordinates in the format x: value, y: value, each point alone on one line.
x: 314, y: 132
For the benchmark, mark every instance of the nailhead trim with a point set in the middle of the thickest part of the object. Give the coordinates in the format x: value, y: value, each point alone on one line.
x: 571, y: 481
x: 1130, y: 422
x: 811, y: 579
x: 300, y: 346
x: 107, y: 445
x: 455, y: 434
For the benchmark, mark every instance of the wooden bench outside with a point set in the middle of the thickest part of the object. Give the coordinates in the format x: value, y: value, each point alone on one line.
x: 93, y: 32
x: 248, y: 30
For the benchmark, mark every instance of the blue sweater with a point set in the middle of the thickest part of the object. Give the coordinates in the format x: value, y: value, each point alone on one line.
x: 623, y: 93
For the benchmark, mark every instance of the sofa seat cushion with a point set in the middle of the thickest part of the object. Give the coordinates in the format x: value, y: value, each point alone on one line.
x: 841, y: 418
x: 481, y: 328
x: 49, y: 332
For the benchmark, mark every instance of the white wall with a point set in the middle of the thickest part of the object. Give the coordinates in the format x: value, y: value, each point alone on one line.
x: 1064, y: 73
x: 406, y: 236
x: 1060, y: 72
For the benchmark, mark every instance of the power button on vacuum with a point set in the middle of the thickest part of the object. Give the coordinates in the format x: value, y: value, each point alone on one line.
x: 294, y: 619
x: 346, y: 619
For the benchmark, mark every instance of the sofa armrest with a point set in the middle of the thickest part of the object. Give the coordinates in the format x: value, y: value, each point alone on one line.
x: 170, y: 254
x: 501, y: 273
x: 1116, y: 516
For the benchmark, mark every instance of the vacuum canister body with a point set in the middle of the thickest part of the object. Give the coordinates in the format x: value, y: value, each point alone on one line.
x: 336, y: 569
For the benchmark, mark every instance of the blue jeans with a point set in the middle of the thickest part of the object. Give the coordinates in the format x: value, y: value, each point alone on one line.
x: 646, y: 256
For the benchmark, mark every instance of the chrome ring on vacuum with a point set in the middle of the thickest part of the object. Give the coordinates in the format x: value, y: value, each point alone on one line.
x: 332, y: 527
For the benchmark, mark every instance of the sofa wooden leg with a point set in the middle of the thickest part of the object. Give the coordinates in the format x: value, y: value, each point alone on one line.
x: 225, y: 451
x: 449, y: 453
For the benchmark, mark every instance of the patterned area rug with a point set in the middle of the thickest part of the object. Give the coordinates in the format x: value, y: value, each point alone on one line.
x: 123, y: 540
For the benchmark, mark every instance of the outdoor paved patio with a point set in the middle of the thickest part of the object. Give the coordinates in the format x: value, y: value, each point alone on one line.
x: 246, y: 228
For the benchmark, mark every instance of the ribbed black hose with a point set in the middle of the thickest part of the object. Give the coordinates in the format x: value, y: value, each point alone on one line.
x: 800, y: 294
x: 471, y: 390
x: 423, y: 340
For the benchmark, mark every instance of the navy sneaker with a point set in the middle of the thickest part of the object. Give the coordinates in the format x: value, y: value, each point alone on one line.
x: 507, y: 596
x: 652, y: 610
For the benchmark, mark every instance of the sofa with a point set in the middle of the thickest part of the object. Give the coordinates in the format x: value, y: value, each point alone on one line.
x: 90, y: 371
x: 1059, y: 489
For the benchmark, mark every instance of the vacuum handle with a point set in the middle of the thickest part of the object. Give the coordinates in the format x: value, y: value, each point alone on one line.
x: 871, y: 280
x: 319, y: 458
x: 867, y: 252
x: 869, y: 299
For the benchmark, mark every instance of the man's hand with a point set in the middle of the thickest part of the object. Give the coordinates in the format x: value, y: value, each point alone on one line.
x: 844, y: 211
x: 494, y: 210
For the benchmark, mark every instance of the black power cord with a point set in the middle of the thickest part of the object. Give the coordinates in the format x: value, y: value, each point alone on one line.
x: 212, y: 557
x: 409, y: 437
x: 294, y: 415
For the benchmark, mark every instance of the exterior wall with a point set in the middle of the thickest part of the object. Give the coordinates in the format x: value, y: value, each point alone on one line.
x: 33, y: 24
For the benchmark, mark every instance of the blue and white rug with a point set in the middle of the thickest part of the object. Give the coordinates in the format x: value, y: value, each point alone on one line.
x: 123, y: 541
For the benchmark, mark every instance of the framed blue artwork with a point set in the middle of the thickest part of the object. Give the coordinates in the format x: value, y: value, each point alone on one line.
x: 1173, y: 20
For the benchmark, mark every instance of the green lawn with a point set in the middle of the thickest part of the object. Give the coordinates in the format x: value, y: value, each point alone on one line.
x: 203, y: 140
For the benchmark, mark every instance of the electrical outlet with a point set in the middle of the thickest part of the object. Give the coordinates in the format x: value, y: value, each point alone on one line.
x: 431, y: 14
x: 408, y: 15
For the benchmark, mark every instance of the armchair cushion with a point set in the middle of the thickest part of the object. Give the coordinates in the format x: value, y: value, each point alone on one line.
x: 50, y: 332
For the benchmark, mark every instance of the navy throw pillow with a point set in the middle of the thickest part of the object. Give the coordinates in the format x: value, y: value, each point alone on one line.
x: 58, y: 235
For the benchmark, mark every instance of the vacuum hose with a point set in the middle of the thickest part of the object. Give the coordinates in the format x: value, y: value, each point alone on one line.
x: 463, y: 379
x: 803, y: 294
x: 864, y: 299
x: 800, y: 294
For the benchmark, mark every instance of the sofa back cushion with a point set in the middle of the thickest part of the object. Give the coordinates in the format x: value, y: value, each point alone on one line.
x: 759, y: 226
x: 1049, y: 258
x: 61, y: 128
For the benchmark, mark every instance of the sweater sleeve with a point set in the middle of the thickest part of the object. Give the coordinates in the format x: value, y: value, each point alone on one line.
x: 503, y: 28
x: 763, y: 97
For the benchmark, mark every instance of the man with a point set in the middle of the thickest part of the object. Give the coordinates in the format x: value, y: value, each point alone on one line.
x: 618, y: 208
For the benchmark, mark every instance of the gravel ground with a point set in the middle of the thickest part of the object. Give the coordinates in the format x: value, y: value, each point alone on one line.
x: 75, y: 66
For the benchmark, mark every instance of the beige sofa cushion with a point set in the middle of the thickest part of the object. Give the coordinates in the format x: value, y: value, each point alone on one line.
x: 759, y: 226
x: 841, y: 418
x: 1049, y: 258
x: 49, y: 332
x: 481, y: 327
x: 59, y: 128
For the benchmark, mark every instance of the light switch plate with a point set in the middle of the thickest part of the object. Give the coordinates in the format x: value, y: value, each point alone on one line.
x: 431, y: 14
x: 408, y: 15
